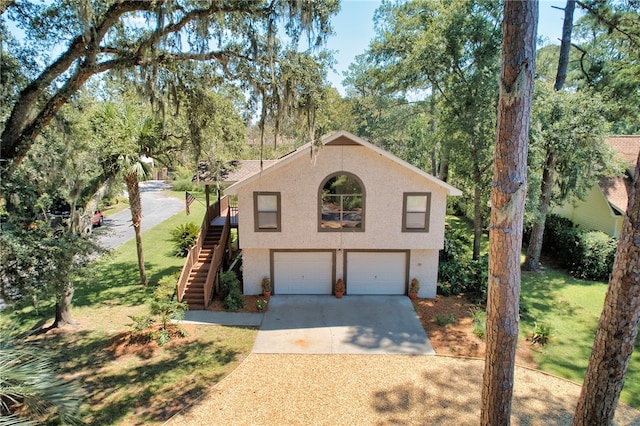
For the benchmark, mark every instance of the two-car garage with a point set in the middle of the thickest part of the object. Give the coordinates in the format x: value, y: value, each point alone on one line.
x: 314, y: 272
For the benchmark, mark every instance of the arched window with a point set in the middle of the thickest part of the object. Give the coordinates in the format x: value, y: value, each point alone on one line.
x: 341, y: 203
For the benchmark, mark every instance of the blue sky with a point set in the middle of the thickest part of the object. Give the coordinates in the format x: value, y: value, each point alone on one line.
x: 353, y: 28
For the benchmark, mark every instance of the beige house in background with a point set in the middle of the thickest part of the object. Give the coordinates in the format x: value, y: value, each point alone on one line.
x: 346, y: 209
x: 605, y: 204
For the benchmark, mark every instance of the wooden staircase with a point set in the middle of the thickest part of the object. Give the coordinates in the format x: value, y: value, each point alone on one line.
x: 194, y: 290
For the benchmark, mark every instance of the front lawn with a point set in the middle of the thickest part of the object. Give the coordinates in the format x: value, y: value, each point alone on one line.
x: 127, y: 381
x: 572, y: 308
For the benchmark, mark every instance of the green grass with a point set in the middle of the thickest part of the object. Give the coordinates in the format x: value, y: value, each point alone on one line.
x: 123, y: 386
x: 572, y: 308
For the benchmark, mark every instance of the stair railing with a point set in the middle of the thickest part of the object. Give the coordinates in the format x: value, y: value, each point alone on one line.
x: 218, y: 255
x: 194, y: 252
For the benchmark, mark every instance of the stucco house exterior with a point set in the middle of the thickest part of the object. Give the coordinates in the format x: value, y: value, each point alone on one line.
x: 342, y: 208
x: 605, y: 203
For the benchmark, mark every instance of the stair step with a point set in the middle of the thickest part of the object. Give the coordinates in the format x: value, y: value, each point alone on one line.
x: 199, y: 277
x: 193, y: 298
x: 195, y: 307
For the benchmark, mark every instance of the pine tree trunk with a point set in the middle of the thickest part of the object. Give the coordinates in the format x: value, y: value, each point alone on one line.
x: 136, y: 218
x: 565, y: 45
x: 534, y: 249
x: 532, y: 260
x: 618, y: 326
x: 477, y: 217
x: 443, y: 174
x: 507, y: 199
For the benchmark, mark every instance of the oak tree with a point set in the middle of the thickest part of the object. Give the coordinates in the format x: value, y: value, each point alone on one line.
x: 240, y: 39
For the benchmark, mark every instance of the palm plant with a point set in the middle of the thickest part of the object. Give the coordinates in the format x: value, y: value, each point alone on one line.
x: 128, y: 136
x: 30, y: 391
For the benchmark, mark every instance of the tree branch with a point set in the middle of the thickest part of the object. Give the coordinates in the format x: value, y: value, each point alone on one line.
x: 611, y: 25
x: 584, y: 71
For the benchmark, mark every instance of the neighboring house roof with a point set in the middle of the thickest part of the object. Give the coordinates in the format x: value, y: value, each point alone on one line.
x: 339, y: 138
x: 616, y: 189
x: 235, y: 171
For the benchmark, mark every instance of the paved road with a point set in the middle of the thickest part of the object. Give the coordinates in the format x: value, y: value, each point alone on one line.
x: 156, y: 208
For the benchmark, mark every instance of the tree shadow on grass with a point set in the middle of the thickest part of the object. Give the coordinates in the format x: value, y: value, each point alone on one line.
x: 158, y: 388
x: 148, y: 386
x: 117, y: 283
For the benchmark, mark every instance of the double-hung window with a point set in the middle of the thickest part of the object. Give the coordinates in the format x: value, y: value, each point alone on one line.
x: 267, y: 211
x: 416, y: 208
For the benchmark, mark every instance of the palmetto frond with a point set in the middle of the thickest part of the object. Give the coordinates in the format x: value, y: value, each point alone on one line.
x: 30, y: 389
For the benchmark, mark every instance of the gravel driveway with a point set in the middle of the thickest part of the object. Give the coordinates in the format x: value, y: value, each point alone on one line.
x: 276, y: 389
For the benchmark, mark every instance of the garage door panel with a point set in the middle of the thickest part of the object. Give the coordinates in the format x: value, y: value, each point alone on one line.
x: 302, y: 272
x: 376, y: 272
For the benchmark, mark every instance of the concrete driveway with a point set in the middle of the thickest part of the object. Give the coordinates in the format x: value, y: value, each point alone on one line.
x: 351, y: 325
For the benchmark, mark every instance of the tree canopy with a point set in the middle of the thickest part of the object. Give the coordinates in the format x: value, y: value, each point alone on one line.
x: 240, y: 40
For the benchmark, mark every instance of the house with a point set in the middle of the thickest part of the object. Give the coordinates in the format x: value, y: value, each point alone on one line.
x: 605, y: 203
x: 342, y: 208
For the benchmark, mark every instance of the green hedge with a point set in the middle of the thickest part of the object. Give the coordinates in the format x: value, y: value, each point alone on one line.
x: 457, y: 272
x: 586, y: 254
x: 593, y: 256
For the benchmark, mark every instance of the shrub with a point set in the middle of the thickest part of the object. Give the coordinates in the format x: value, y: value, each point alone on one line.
x: 461, y: 275
x: 594, y: 255
x: 231, y: 294
x: 457, y: 272
x: 456, y: 243
x: 479, y: 320
x: 586, y: 254
x: 166, y: 288
x: 184, y: 185
x: 443, y: 320
x: 168, y: 310
x: 559, y: 235
x: 541, y: 333
x: 140, y: 323
x: 165, y: 308
x: 184, y: 237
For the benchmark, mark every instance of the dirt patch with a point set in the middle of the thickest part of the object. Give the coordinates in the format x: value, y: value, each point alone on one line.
x: 145, y: 343
x: 250, y: 304
x: 457, y: 337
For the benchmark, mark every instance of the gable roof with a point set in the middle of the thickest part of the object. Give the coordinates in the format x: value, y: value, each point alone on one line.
x: 339, y: 138
x: 626, y: 148
x: 233, y: 171
x: 616, y: 189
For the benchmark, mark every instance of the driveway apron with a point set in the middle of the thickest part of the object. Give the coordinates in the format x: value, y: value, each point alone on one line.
x: 351, y: 325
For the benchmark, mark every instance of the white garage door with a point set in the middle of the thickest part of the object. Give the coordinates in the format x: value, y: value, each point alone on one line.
x: 376, y: 273
x: 302, y: 272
